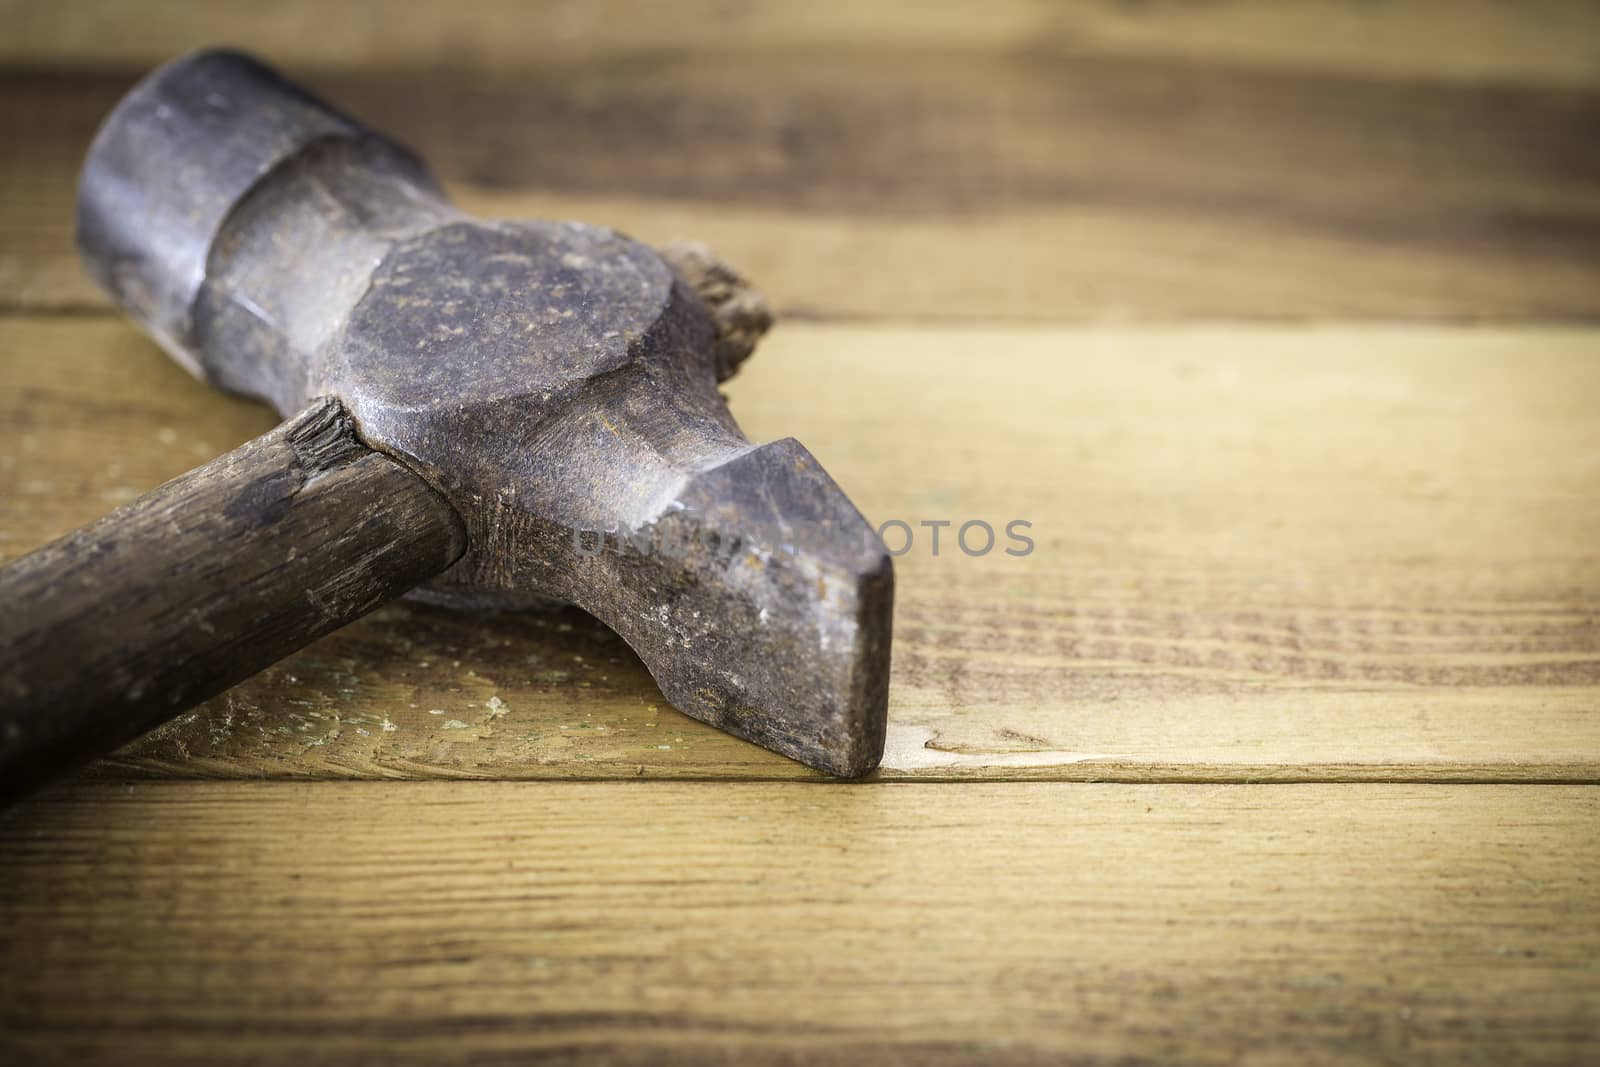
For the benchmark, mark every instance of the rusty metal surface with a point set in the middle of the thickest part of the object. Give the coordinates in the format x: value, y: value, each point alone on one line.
x: 556, y: 381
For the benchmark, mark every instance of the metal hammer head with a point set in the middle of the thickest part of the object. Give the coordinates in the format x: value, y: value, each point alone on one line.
x: 556, y: 381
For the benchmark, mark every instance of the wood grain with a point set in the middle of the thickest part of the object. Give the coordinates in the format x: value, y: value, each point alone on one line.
x: 1261, y: 553
x: 1089, y: 167
x: 200, y: 583
x: 1042, y: 923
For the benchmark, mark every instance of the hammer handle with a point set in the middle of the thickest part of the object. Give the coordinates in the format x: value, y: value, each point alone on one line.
x: 202, y: 582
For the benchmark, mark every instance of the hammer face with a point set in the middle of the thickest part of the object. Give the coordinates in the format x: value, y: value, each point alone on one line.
x: 556, y: 381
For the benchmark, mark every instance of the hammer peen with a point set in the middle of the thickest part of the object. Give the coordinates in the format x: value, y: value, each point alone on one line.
x: 487, y: 414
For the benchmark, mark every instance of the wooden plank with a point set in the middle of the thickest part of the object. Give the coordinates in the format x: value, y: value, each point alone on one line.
x: 1036, y: 182
x: 1545, y: 42
x: 1260, y: 553
x: 767, y: 923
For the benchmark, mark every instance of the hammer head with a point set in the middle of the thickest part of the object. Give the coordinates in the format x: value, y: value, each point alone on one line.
x: 556, y: 381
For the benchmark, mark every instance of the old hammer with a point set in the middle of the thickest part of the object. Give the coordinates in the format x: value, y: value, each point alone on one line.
x: 488, y: 414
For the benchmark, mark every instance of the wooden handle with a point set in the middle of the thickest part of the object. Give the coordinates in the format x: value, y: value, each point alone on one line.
x: 202, y: 582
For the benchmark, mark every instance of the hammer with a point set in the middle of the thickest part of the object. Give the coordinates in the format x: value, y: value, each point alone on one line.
x: 492, y: 415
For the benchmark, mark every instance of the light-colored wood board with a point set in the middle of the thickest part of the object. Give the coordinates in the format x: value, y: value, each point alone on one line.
x: 1534, y: 42
x: 1260, y: 553
x: 862, y: 180
x: 780, y: 923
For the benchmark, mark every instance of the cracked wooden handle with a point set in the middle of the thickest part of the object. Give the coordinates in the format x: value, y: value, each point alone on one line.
x: 200, y: 583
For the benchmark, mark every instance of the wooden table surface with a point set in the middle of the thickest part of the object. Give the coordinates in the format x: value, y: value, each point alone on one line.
x: 1279, y: 324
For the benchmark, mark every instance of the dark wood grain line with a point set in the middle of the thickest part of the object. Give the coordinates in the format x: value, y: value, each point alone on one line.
x: 908, y: 133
